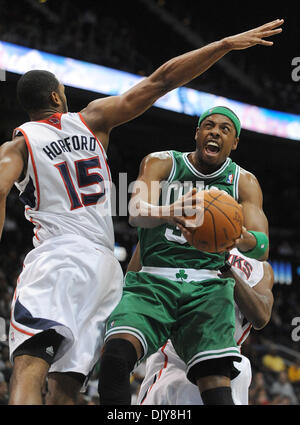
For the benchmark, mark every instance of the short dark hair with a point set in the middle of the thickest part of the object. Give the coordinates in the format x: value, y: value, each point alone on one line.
x: 34, y: 89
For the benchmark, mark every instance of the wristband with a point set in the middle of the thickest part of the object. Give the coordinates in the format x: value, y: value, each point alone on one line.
x: 262, y: 244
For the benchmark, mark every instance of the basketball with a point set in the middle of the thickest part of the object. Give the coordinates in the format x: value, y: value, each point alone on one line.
x: 222, y: 222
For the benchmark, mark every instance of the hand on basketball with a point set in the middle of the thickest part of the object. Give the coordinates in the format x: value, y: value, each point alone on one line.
x: 245, y: 242
x: 255, y: 36
x: 187, y: 210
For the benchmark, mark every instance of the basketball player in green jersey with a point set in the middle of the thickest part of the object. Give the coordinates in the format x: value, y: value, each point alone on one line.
x: 178, y: 293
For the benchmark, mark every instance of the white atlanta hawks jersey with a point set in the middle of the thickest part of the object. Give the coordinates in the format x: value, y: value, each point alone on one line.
x: 67, y: 187
x: 252, y: 272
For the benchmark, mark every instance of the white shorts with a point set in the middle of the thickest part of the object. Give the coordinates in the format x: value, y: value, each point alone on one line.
x: 165, y: 382
x: 69, y: 284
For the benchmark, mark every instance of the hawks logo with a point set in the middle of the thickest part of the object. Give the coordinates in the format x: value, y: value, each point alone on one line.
x: 54, y: 120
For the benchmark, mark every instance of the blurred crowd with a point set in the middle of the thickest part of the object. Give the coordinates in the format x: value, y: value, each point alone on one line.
x: 126, y: 35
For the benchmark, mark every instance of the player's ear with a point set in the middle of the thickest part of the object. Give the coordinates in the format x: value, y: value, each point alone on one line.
x: 55, y: 99
x: 196, y: 134
x: 235, y: 143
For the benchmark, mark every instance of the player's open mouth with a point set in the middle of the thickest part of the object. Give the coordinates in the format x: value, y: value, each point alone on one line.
x: 212, y: 148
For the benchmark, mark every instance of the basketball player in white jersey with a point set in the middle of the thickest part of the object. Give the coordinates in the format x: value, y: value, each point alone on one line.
x: 165, y: 381
x: 71, y: 282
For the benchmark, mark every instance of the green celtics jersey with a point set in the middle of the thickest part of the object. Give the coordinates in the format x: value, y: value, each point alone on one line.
x: 165, y: 246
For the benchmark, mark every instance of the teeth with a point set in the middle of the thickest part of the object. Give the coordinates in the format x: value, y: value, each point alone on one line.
x: 212, y: 144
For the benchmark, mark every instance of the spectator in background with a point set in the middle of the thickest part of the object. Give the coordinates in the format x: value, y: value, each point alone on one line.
x: 294, y: 373
x: 282, y: 387
x: 3, y: 390
x: 5, y: 366
x: 261, y: 398
x: 272, y: 361
x: 258, y: 390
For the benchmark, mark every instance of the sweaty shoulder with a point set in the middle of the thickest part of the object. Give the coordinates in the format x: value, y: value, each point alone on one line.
x: 157, y: 164
x: 246, y: 176
x: 247, y: 183
x: 18, y: 144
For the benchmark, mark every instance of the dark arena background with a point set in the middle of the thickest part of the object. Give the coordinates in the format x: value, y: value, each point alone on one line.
x: 136, y: 37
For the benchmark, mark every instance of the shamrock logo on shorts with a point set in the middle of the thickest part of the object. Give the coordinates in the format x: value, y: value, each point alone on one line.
x: 181, y: 275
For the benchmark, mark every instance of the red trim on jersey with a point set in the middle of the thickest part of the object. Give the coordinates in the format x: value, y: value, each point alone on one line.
x: 166, y: 359
x: 33, y: 165
x: 161, y: 370
x: 244, y: 335
x: 99, y: 143
x: 35, y: 223
x: 21, y: 330
x: 54, y: 120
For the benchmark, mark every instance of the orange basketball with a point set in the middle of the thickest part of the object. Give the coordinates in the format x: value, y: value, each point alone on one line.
x: 222, y: 222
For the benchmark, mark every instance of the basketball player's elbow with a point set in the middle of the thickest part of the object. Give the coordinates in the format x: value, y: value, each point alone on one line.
x: 133, y: 221
x: 134, y: 212
x: 260, y: 322
x: 262, y: 317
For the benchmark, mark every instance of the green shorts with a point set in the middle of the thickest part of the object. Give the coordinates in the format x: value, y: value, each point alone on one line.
x: 198, y: 317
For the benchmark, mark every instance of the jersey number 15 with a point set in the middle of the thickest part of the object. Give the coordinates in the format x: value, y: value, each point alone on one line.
x: 84, y: 178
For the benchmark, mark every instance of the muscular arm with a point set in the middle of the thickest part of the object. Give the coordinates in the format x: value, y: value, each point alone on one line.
x: 12, y: 160
x: 102, y: 115
x: 251, y: 199
x: 143, y: 206
x: 255, y: 303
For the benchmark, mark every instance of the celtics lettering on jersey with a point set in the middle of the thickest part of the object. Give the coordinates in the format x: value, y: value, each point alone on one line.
x: 165, y: 246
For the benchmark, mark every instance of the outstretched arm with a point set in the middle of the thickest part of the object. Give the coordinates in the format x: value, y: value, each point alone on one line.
x: 102, y: 115
x: 12, y: 160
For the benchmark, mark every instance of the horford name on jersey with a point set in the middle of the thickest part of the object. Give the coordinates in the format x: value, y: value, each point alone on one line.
x: 68, y: 144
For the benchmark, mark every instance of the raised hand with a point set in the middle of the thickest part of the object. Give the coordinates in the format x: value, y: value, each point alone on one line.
x: 255, y: 36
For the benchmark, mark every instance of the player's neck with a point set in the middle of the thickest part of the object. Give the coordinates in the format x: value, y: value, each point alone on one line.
x: 202, y: 166
x: 43, y: 115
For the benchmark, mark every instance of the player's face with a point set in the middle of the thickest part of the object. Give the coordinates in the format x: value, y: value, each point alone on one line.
x: 215, y: 139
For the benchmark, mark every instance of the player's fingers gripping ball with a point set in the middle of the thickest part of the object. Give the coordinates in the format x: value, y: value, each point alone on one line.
x: 221, y: 224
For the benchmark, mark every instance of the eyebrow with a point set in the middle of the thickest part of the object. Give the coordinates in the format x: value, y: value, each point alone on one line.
x: 222, y: 123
